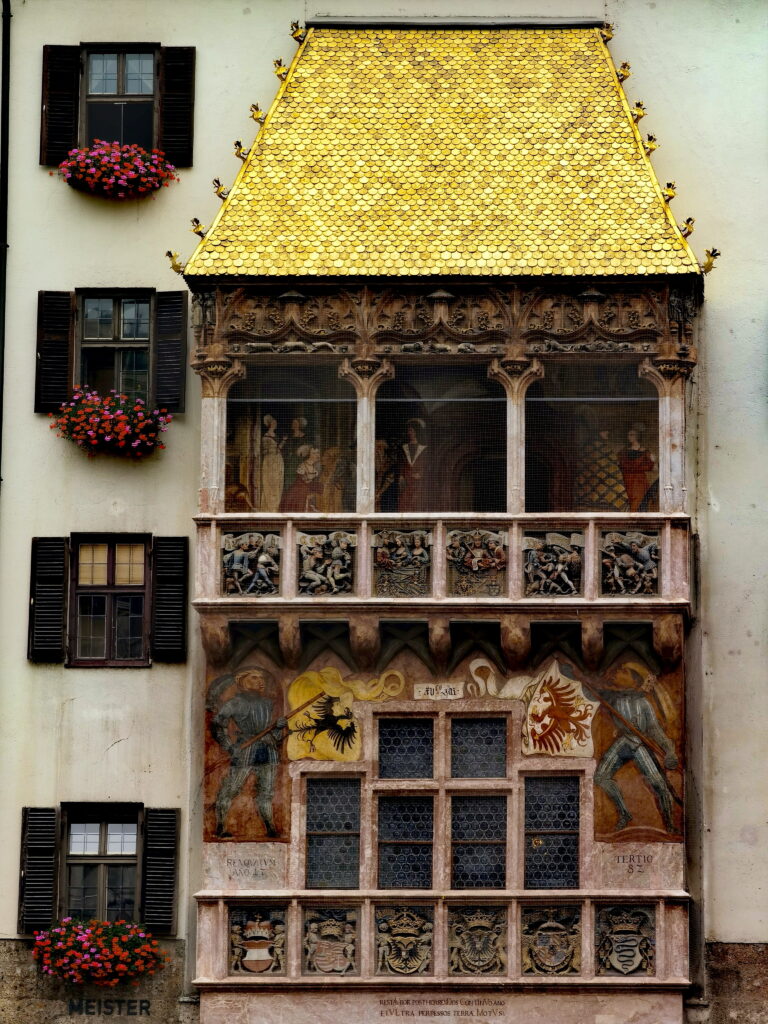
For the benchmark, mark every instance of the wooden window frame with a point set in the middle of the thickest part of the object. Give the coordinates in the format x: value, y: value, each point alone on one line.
x: 117, y: 296
x: 110, y: 590
x: 104, y: 814
x: 120, y: 50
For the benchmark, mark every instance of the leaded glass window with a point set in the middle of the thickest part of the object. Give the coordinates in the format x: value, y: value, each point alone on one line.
x: 478, y: 748
x: 405, y: 842
x: 333, y: 833
x: 478, y: 833
x: 406, y: 748
x: 552, y: 815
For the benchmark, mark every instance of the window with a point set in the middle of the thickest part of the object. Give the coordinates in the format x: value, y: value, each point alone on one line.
x: 108, y: 599
x: 132, y: 341
x: 114, y: 345
x: 110, y: 602
x: 444, y: 830
x: 291, y: 441
x: 141, y: 94
x: 441, y: 441
x: 101, y: 868
x: 110, y: 861
x: 120, y: 97
x: 591, y: 440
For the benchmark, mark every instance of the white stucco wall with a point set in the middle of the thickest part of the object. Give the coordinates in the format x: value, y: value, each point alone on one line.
x: 89, y: 734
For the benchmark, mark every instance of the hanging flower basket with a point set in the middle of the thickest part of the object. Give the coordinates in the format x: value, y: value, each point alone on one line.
x: 111, y: 424
x: 113, y: 171
x: 102, y: 953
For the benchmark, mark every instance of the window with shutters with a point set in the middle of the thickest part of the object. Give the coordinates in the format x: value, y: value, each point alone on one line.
x: 132, y: 341
x: 107, y: 861
x: 140, y: 94
x: 108, y: 612
x: 108, y: 600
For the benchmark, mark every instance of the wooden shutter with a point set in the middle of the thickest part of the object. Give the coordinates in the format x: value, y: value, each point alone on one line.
x: 161, y: 839
x: 48, y: 600
x: 55, y: 345
x: 61, y: 103
x: 177, y: 103
x: 168, y: 638
x: 170, y: 350
x: 37, y: 890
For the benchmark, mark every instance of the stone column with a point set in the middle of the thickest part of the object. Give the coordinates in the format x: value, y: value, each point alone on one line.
x: 366, y: 374
x: 670, y: 376
x: 515, y: 375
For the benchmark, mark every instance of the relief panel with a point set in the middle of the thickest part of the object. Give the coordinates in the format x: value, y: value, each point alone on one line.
x: 550, y: 940
x: 402, y: 563
x: 331, y: 940
x: 257, y: 939
x: 552, y: 564
x: 477, y: 940
x: 404, y: 940
x: 476, y: 563
x: 625, y: 940
x: 250, y: 564
x: 630, y: 564
x: 326, y: 563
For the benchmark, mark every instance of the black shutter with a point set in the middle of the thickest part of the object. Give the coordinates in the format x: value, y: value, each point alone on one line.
x: 170, y: 350
x: 48, y: 600
x: 37, y: 898
x: 55, y: 329
x: 161, y: 838
x: 61, y: 103
x: 177, y: 104
x: 168, y: 638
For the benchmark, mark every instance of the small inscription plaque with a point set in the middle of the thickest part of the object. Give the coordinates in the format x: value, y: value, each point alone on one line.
x: 438, y: 691
x: 244, y: 865
x: 467, y: 1009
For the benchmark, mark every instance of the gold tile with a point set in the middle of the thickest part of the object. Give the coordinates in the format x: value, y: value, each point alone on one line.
x: 423, y: 152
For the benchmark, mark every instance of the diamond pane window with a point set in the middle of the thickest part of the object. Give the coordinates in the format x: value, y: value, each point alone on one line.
x: 406, y: 748
x: 405, y: 842
x: 478, y: 832
x: 478, y: 748
x: 333, y: 833
x: 552, y: 832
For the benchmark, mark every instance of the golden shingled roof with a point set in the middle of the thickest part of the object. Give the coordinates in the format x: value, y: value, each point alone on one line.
x: 404, y: 153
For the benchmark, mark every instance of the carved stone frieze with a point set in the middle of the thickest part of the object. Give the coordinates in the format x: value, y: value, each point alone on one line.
x: 412, y: 319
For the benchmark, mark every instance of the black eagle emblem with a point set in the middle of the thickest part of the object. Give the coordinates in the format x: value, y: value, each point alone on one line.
x: 341, y: 727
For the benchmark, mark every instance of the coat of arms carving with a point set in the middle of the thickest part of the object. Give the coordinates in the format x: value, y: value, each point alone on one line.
x: 330, y: 941
x: 625, y: 940
x: 551, y: 940
x: 477, y: 940
x: 403, y: 940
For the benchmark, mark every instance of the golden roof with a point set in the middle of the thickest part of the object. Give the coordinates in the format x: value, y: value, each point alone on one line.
x: 405, y: 153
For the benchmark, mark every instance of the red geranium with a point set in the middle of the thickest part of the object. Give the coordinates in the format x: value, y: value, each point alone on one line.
x: 102, y: 953
x: 111, y: 423
x: 117, y: 172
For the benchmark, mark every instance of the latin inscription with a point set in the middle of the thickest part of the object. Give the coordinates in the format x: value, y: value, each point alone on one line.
x: 109, y: 1008
x: 635, y: 863
x: 257, y: 868
x: 439, y: 1008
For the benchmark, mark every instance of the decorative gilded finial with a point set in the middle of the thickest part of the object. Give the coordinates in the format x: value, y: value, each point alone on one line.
x: 686, y: 228
x: 280, y: 69
x: 624, y: 71
x: 257, y: 113
x: 606, y: 32
x: 638, y: 111
x: 669, y: 191
x: 240, y: 152
x: 198, y: 228
x: 297, y: 32
x: 219, y: 189
x: 650, y: 144
x: 178, y: 267
x: 709, y: 262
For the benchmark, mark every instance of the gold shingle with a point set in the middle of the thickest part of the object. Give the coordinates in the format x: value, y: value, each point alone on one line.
x: 451, y: 152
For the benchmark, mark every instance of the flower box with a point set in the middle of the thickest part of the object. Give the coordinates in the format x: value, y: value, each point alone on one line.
x: 110, y: 424
x: 112, y: 171
x: 103, y: 953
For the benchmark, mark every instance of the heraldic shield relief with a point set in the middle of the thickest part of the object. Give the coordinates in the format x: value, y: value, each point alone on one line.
x: 330, y: 940
x: 404, y: 940
x: 257, y: 940
x: 477, y: 940
x: 551, y: 940
x: 625, y: 938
